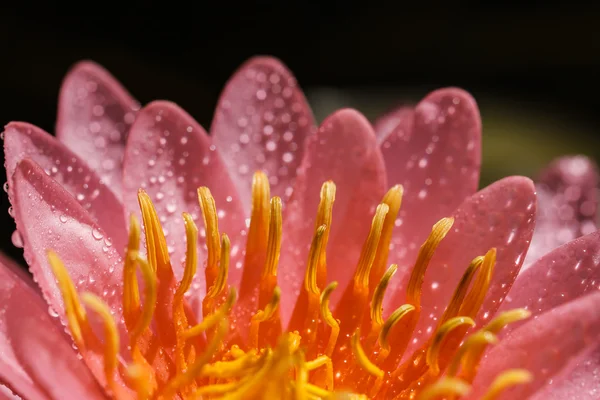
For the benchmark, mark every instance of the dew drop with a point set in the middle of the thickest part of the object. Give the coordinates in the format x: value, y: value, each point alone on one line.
x: 171, y: 208
x: 16, y: 239
x: 63, y: 218
x: 97, y: 234
x: 5, y: 187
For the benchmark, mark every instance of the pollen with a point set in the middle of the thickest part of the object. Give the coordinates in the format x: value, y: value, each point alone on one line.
x: 163, y: 350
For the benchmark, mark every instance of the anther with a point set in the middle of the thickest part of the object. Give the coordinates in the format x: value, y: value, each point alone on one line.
x: 441, y: 334
x: 445, y: 387
x: 378, y: 295
x: 415, y: 284
x: 211, y: 226
x: 505, y: 380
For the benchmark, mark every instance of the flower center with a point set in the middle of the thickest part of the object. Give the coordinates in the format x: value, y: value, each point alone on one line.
x: 237, y: 353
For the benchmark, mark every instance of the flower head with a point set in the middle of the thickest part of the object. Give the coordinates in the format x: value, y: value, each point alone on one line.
x: 274, y: 259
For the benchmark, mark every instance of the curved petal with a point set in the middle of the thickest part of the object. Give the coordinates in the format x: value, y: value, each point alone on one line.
x: 567, y: 203
x: 387, y: 123
x: 22, y: 140
x: 435, y: 153
x: 581, y: 382
x: 94, y: 116
x: 500, y: 216
x: 48, y: 217
x: 7, y: 394
x: 170, y: 156
x: 260, y: 123
x: 345, y: 151
x: 562, y: 275
x: 543, y: 346
x: 35, y: 354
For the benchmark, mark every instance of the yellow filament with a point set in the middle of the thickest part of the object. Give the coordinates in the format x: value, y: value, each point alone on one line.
x: 329, y: 319
x: 248, y: 387
x: 509, y: 378
x: 274, y: 239
x: 131, y: 294
x: 214, y: 318
x: 310, y: 280
x: 231, y: 369
x: 211, y: 225
x: 392, y: 320
x: 476, y: 341
x: 461, y: 290
x: 324, y: 217
x: 433, y: 351
x: 270, y: 308
x: 264, y: 315
x: 149, y: 300
x: 259, y: 220
x: 362, y: 359
x: 393, y: 199
x: 194, y: 370
x: 158, y: 254
x: 369, y: 250
x: 111, y: 335
x: 301, y: 376
x: 438, y: 232
x: 378, y: 295
x: 317, y: 362
x: 221, y: 281
x: 191, y: 257
x: 506, y: 318
x: 479, y: 289
x: 74, y: 311
x: 445, y: 387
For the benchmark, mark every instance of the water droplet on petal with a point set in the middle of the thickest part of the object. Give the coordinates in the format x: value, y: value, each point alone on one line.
x: 97, y: 234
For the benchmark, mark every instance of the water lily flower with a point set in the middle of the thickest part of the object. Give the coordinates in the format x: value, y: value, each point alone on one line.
x: 345, y: 261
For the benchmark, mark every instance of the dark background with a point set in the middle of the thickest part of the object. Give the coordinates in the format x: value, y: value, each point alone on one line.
x: 532, y: 67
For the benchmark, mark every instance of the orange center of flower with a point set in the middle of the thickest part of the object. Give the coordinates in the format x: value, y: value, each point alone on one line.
x: 351, y: 352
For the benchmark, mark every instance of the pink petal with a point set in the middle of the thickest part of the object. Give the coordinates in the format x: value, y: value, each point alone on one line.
x: 562, y: 275
x: 170, y: 156
x: 547, y: 347
x: 36, y: 356
x: 260, y: 123
x: 567, y: 204
x: 48, y: 217
x: 94, y: 116
x: 500, y: 216
x: 435, y: 153
x: 578, y: 383
x: 22, y: 140
x: 387, y: 123
x: 7, y: 394
x: 345, y: 151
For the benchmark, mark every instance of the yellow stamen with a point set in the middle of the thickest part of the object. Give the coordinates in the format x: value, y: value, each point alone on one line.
x: 74, y: 311
x: 111, y: 335
x: 476, y: 341
x: 131, y: 293
x: 191, y: 259
x: 156, y: 243
x: 329, y: 319
x: 221, y: 281
x: 392, y: 320
x: 479, y: 289
x: 264, y: 315
x: 310, y: 280
x: 378, y: 295
x: 258, y: 233
x: 393, y: 199
x: 274, y: 240
x: 506, y: 318
x: 445, y: 387
x: 149, y: 300
x: 505, y: 380
x: 415, y: 284
x: 301, y: 377
x: 324, y: 217
x: 195, y: 369
x: 214, y: 318
x: 461, y: 291
x: 231, y: 369
x: 211, y: 225
x: 441, y: 334
x: 369, y: 251
x: 362, y: 359
x: 249, y: 387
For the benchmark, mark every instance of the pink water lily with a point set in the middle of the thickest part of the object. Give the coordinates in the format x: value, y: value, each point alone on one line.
x: 262, y: 318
